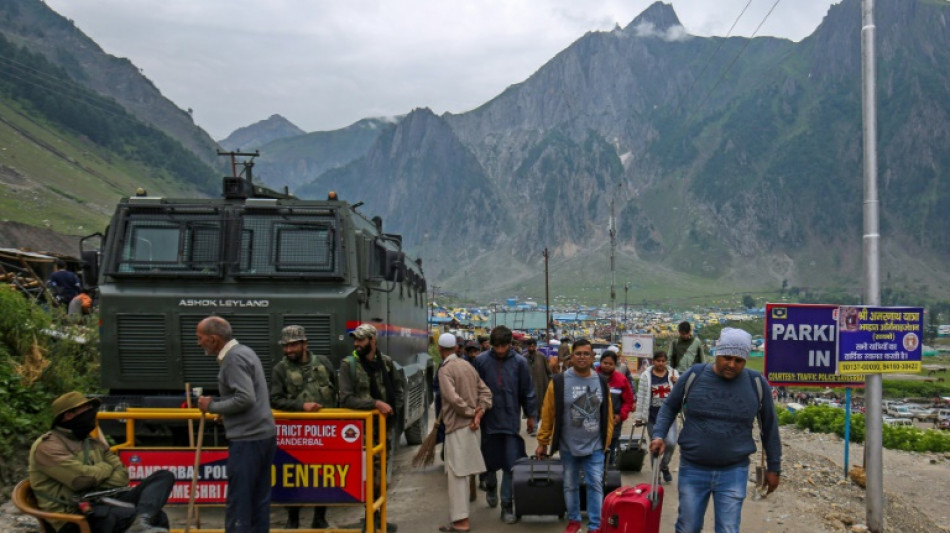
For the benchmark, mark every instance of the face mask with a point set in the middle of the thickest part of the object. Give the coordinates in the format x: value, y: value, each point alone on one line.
x: 82, y: 424
x: 363, y: 351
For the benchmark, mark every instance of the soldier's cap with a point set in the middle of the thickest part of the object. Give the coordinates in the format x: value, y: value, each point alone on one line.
x: 364, y: 331
x: 70, y: 401
x: 291, y: 334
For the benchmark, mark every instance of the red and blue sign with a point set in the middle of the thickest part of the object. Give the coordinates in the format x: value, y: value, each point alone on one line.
x: 317, y: 461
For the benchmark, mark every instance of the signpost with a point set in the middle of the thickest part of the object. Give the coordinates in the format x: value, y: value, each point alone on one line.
x: 880, y: 339
x: 801, y: 346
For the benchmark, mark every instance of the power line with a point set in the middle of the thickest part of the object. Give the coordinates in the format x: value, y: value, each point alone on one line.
x: 734, y: 60
x: 708, y: 61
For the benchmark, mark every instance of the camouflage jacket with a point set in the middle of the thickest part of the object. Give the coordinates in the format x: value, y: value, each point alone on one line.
x: 293, y: 384
x: 354, y: 384
x: 61, y: 466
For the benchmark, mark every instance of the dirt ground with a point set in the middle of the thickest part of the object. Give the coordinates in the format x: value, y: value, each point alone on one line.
x: 814, y: 496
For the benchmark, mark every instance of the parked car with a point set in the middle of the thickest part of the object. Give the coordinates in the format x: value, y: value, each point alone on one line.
x: 900, y: 411
x: 897, y: 421
x: 944, y: 424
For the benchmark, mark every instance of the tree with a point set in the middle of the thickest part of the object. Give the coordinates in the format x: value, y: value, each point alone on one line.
x: 748, y: 301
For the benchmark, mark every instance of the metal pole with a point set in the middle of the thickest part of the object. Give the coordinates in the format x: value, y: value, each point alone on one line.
x: 847, y: 429
x: 874, y: 464
x: 613, y: 275
x: 626, y: 289
x: 547, y: 300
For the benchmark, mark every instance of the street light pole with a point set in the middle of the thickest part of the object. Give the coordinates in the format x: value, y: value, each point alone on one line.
x: 626, y: 289
x: 547, y: 300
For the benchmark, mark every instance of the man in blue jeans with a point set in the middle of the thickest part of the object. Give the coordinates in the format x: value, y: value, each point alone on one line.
x: 722, y: 402
x: 244, y: 405
x: 577, y: 420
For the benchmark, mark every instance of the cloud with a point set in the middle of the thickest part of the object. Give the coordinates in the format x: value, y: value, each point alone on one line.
x: 646, y: 29
x: 325, y: 64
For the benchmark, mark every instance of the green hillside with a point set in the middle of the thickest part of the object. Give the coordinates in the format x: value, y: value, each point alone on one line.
x: 62, y: 181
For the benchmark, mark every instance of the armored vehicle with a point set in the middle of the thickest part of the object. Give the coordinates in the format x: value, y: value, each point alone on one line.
x: 262, y: 259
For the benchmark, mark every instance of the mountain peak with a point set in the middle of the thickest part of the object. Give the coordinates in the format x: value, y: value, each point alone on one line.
x: 260, y: 133
x: 658, y: 20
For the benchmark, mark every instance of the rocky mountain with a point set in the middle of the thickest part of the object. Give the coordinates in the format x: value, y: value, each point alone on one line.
x: 295, y: 161
x: 260, y: 133
x: 730, y: 163
x: 32, y: 24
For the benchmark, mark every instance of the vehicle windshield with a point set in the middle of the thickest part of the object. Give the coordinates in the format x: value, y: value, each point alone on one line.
x: 157, y: 243
x: 203, y: 241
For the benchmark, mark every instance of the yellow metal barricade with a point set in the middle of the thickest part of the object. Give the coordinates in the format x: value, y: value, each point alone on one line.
x: 373, y: 422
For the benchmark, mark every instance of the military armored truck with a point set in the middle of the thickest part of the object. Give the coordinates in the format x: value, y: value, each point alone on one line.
x: 263, y: 260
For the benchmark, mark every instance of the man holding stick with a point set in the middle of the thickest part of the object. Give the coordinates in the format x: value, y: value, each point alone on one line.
x: 249, y: 425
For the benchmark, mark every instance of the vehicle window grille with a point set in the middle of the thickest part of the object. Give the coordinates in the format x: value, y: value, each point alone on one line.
x: 318, y: 331
x: 142, y: 346
x: 272, y: 245
x: 158, y: 243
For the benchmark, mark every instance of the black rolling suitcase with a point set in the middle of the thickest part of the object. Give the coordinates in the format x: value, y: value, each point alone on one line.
x: 632, y: 451
x: 538, y: 487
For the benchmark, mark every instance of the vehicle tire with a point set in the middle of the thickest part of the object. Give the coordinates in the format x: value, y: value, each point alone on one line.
x: 417, y: 432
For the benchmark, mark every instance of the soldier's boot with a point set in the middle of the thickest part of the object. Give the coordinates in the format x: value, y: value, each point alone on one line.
x: 143, y: 524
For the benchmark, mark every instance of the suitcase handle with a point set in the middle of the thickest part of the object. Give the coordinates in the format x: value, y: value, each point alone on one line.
x: 540, y: 481
x: 655, y: 466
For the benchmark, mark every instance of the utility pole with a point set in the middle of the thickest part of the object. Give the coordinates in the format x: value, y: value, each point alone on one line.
x: 547, y: 299
x: 613, y: 274
x: 873, y: 460
x: 626, y: 289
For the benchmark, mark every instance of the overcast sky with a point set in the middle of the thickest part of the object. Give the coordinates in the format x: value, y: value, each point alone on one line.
x: 324, y: 64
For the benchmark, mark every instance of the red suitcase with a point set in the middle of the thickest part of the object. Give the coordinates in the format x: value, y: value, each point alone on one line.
x: 634, y: 509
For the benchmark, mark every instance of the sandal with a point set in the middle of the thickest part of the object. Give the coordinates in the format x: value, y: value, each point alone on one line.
x: 450, y: 528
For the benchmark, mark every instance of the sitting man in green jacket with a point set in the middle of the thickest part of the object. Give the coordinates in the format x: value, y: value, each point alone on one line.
x: 302, y: 381
x: 368, y: 380
x: 66, y: 463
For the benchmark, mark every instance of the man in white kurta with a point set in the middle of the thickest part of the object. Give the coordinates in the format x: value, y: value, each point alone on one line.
x: 465, y: 398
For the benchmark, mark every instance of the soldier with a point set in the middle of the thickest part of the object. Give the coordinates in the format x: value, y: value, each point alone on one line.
x: 368, y: 380
x: 66, y: 461
x: 302, y: 381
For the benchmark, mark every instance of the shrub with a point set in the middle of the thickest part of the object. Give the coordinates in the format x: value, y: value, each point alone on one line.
x: 824, y: 419
x: 36, y: 367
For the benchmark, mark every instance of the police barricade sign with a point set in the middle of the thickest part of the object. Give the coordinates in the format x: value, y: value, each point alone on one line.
x: 801, y: 346
x: 317, y: 461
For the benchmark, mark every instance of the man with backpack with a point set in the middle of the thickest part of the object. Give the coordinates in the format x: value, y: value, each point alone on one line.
x: 577, y: 420
x: 721, y: 402
x: 368, y: 380
x: 686, y: 350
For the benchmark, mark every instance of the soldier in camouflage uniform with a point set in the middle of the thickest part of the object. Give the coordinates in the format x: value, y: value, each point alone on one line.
x: 368, y: 380
x: 66, y: 462
x: 302, y: 381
